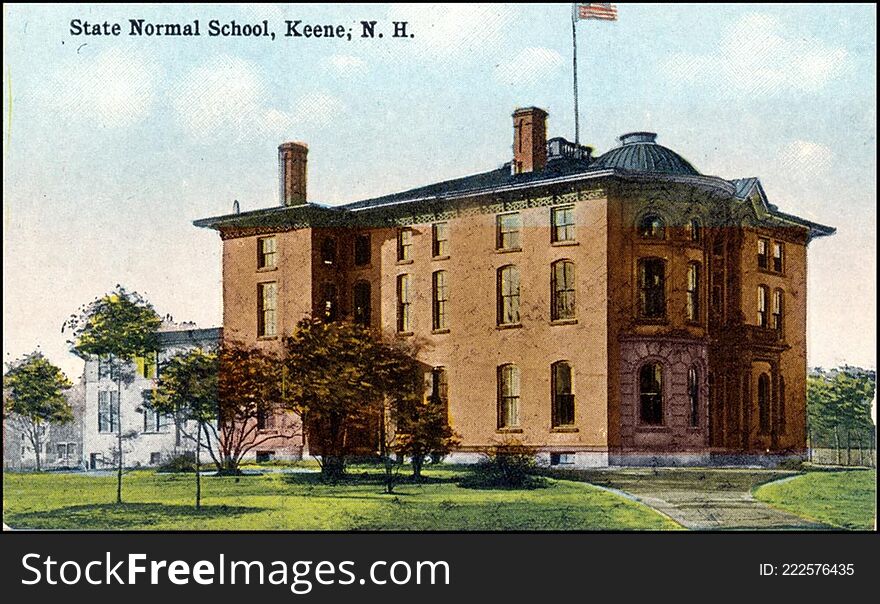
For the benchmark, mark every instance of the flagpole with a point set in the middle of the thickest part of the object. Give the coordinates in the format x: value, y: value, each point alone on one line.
x: 574, y: 60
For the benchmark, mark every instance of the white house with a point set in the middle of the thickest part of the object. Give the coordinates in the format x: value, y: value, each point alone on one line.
x: 149, y: 438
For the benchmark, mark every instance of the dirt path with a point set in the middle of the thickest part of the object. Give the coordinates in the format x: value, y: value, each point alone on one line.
x: 701, y: 498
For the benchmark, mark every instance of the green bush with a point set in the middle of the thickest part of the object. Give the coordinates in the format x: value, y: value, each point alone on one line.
x: 791, y: 463
x: 507, y: 466
x: 184, y: 462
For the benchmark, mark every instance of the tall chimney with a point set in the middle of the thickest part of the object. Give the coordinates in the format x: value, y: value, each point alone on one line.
x: 529, y: 140
x: 292, y: 173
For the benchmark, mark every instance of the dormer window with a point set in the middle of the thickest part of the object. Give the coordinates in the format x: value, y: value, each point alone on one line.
x: 652, y: 227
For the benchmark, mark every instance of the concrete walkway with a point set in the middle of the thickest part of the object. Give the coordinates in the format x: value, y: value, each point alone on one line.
x: 703, y: 498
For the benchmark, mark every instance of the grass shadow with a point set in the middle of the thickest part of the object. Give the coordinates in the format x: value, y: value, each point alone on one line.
x: 121, y: 516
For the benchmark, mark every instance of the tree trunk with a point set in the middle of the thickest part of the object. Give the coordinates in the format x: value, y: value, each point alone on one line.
x: 861, y: 457
x: 837, y: 444
x: 810, y: 444
x: 198, y: 468
x: 118, y: 435
x: 417, y: 462
x: 383, y: 451
x: 848, y: 447
x: 37, y: 444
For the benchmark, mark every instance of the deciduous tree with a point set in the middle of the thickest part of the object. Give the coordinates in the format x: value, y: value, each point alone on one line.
x: 116, y: 327
x: 340, y: 376
x: 36, y: 397
x: 187, y: 389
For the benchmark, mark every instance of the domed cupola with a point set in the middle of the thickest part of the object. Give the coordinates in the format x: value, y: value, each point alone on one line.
x: 639, y: 152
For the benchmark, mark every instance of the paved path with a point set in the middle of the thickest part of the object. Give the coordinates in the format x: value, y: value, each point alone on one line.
x: 703, y: 499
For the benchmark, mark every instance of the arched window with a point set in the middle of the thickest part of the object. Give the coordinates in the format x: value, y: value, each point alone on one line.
x: 508, y: 396
x: 362, y: 302
x: 693, y: 291
x: 508, y: 295
x: 328, y: 250
x: 694, y: 396
x: 651, y: 226
x: 563, y: 394
x: 562, y: 303
x: 652, y: 284
x: 778, y: 307
x: 403, y: 304
x: 693, y: 229
x: 764, y: 403
x: 439, y: 300
x: 762, y: 305
x: 651, y: 394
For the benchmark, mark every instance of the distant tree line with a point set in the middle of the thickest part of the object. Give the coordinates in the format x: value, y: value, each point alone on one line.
x: 839, y: 413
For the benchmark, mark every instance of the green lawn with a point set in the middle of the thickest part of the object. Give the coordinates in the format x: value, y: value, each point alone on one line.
x: 843, y: 499
x: 277, y: 501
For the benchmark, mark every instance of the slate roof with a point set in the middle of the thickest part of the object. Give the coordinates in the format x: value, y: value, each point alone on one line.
x: 486, y: 180
x: 639, y: 152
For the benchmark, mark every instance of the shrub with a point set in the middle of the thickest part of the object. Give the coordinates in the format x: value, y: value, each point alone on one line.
x: 791, y: 463
x: 510, y: 465
x: 184, y: 462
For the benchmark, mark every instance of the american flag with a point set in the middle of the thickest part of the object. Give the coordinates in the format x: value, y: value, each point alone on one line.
x: 608, y: 12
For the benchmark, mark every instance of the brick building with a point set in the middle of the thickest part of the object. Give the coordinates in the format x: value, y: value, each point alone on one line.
x: 619, y: 309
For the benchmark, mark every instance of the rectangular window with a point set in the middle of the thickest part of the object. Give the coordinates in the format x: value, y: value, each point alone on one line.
x: 147, y: 364
x: 508, y: 295
x: 778, y: 301
x: 778, y: 254
x: 362, y: 250
x: 62, y: 450
x: 693, y: 292
x: 652, y: 292
x: 107, y: 369
x: 404, y: 245
x: 403, y: 304
x: 763, y: 251
x: 266, y: 251
x: 439, y: 387
x: 562, y: 304
x: 267, y: 307
x: 509, y: 230
x: 762, y: 306
x: 153, y: 420
x: 440, y: 300
x: 108, y: 411
x: 563, y: 224
x: 440, y: 239
x: 508, y: 396
x: 563, y: 395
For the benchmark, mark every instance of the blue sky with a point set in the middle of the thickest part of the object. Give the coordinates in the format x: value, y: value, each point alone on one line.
x: 113, y: 145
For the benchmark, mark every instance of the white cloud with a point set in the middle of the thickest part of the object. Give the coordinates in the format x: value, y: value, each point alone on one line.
x: 229, y: 95
x: 117, y: 88
x: 805, y: 158
x: 316, y: 108
x: 445, y: 30
x: 758, y: 56
x: 225, y: 93
x: 347, y: 65
x: 529, y: 66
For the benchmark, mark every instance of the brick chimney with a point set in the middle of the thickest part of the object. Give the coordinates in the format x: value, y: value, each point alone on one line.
x: 529, y: 140
x: 292, y: 173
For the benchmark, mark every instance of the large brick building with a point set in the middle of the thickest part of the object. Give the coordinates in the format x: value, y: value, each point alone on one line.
x: 614, y: 309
